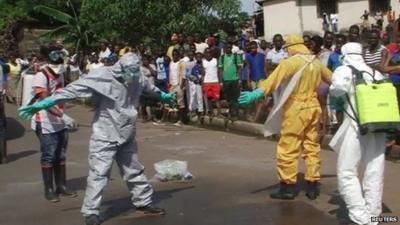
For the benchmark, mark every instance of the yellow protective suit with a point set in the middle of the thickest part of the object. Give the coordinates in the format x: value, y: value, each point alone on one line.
x: 301, y: 112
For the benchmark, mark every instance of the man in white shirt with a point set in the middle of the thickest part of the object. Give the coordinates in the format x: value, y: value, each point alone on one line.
x: 200, y: 45
x: 334, y: 22
x: 105, y: 51
x: 50, y: 126
x: 277, y: 54
x: 176, y: 82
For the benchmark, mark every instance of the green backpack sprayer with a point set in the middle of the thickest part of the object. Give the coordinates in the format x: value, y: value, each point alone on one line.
x: 377, y: 105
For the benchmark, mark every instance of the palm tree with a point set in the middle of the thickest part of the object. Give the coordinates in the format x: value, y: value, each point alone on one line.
x: 74, y: 30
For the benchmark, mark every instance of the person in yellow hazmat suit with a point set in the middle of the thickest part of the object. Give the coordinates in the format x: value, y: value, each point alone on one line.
x: 295, y: 115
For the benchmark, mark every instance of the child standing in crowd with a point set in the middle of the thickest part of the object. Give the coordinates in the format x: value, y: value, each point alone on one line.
x: 176, y: 82
x: 194, y: 72
x: 161, y: 67
x: 230, y: 64
x: 211, y: 85
x: 256, y: 72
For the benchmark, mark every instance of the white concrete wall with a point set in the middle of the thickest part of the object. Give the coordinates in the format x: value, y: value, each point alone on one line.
x: 280, y: 16
x: 311, y: 21
x: 285, y: 16
x: 350, y: 12
x: 396, y: 6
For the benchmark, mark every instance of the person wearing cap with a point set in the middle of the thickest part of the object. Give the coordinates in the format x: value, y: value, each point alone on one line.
x: 295, y: 115
x: 363, y: 199
x: 50, y: 125
x: 115, y: 91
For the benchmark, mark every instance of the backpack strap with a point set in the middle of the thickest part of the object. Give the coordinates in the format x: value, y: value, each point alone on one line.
x: 359, y: 73
x: 47, y: 72
x: 355, y: 117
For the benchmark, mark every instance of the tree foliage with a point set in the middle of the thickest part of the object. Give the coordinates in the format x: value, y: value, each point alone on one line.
x: 154, y: 20
x: 134, y: 21
x: 72, y: 28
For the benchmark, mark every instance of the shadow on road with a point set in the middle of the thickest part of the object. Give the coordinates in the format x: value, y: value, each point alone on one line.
x: 341, y: 212
x: 301, y: 183
x: 114, y: 208
x: 15, y: 156
x: 14, y: 129
x: 78, y: 183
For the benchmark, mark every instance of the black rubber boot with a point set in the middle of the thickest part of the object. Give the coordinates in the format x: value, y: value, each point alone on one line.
x: 151, y: 210
x: 61, y: 179
x: 3, y: 141
x: 312, y: 190
x: 285, y: 192
x: 49, y: 194
x: 92, y: 220
x: 3, y: 149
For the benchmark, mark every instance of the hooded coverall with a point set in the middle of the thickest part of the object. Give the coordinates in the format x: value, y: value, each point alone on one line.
x: 114, y: 131
x: 362, y: 200
x: 301, y: 114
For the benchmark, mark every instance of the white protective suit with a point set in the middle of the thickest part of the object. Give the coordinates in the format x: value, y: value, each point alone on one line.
x: 114, y: 129
x: 363, y: 200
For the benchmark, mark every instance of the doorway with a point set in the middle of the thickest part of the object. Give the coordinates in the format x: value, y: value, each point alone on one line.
x: 376, y: 5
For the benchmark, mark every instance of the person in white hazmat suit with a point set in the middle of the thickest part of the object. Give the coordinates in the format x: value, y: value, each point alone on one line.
x: 363, y: 199
x: 115, y: 92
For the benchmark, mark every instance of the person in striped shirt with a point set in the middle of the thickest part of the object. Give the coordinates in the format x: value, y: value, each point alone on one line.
x: 376, y: 55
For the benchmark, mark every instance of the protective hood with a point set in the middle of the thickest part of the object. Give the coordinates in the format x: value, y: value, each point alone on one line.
x: 352, y: 55
x: 128, y: 67
x: 295, y: 45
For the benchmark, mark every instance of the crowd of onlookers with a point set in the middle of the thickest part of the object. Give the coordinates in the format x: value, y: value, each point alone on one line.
x: 208, y: 73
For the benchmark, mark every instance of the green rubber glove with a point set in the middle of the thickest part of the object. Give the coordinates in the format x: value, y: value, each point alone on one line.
x: 26, y: 112
x: 169, y: 98
x: 248, y: 97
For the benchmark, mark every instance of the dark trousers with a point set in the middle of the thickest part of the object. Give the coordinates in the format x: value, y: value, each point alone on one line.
x: 232, y: 93
x: 53, y: 147
x: 3, y: 145
x: 162, y: 85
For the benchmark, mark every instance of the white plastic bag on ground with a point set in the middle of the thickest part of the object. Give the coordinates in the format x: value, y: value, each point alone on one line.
x: 172, y: 170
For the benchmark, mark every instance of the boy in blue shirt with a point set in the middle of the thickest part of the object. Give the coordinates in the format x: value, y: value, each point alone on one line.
x: 195, y: 76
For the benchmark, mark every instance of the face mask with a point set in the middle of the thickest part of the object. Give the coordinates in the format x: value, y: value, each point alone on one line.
x: 56, y: 56
x: 130, y: 73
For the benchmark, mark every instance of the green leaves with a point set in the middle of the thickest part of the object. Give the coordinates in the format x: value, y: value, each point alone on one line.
x: 139, y: 20
x: 135, y: 21
x: 73, y: 29
x: 54, y: 13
